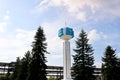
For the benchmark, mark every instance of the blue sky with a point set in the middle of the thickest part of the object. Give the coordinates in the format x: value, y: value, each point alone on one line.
x: 19, y: 19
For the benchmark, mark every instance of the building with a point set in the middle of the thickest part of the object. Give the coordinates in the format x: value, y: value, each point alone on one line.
x: 57, y: 72
x: 52, y: 71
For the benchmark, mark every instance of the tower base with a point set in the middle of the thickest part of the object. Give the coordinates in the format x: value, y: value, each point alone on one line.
x: 67, y: 79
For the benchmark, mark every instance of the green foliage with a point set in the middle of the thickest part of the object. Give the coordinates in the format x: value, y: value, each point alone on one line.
x: 2, y: 77
x: 37, y: 67
x: 110, y: 66
x: 16, y: 70
x: 82, y: 68
x: 7, y: 77
x: 53, y: 79
x: 32, y: 66
x: 117, y: 70
x: 23, y: 72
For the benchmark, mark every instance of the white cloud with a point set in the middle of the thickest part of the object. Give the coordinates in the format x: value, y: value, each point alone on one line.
x: 12, y: 46
x: 81, y: 16
x: 6, y: 17
x: 45, y: 4
x: 112, y: 7
x: 54, y: 43
x: 7, y: 12
x: 24, y: 35
x: 3, y: 25
x: 93, y: 35
x: 57, y: 47
x: 51, y: 31
x: 75, y: 7
x: 84, y: 10
x: 10, y: 54
x: 55, y: 59
x: 16, y: 45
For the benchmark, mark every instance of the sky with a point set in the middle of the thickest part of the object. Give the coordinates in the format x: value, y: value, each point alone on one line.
x: 20, y: 19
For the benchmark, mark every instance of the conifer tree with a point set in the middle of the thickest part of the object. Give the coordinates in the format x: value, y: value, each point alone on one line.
x: 16, y: 69
x: 109, y: 66
x: 23, y: 72
x: 82, y: 68
x: 7, y: 76
x: 37, y: 67
x: 118, y: 69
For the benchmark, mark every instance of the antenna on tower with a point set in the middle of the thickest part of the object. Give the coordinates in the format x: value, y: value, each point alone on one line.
x: 65, y: 24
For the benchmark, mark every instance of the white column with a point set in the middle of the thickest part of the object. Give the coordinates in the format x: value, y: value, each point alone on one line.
x: 66, y: 60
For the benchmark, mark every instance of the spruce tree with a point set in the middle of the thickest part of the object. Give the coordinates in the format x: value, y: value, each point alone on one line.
x: 109, y: 66
x: 118, y: 70
x: 37, y: 67
x: 82, y: 68
x: 7, y: 76
x: 23, y: 73
x: 16, y: 69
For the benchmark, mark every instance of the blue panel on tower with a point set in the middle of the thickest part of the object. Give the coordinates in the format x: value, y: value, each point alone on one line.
x: 60, y: 32
x: 66, y: 31
x: 69, y: 31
